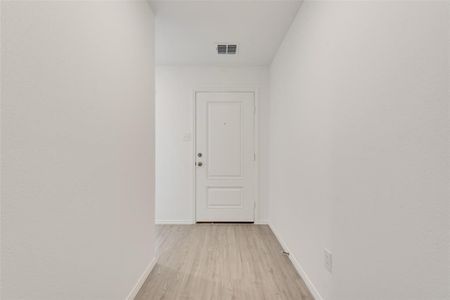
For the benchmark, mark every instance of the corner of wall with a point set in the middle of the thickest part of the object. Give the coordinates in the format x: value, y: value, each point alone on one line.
x: 135, y: 290
x: 298, y: 267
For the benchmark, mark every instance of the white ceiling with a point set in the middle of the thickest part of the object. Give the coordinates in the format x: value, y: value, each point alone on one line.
x: 187, y: 31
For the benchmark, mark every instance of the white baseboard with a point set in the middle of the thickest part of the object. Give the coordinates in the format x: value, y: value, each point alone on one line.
x: 297, y: 266
x: 142, y: 279
x: 188, y: 221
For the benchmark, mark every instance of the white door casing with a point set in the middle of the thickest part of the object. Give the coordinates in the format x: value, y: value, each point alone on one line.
x: 225, y: 156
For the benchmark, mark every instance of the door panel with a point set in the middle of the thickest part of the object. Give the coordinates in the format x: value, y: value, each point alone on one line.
x: 224, y: 139
x: 225, y: 197
x: 225, y: 161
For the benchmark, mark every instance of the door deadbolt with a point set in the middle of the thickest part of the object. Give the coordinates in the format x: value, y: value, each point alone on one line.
x: 199, y: 155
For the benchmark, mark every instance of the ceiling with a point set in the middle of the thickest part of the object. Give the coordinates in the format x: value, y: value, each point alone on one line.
x: 187, y: 32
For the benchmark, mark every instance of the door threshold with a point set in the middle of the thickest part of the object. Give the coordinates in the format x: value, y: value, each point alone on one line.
x: 224, y: 222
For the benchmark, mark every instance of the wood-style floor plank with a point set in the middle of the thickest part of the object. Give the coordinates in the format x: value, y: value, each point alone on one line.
x: 221, y: 261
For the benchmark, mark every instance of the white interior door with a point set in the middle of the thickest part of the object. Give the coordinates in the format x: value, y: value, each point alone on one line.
x: 225, y: 156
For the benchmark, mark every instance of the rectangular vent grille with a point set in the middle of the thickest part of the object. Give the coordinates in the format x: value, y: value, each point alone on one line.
x: 231, y: 49
x: 222, y: 49
x: 227, y: 49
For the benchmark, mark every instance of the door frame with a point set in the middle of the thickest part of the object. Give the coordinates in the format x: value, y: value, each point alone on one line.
x: 255, y: 140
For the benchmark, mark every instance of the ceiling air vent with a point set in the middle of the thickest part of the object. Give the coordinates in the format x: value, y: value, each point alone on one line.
x: 227, y: 49
x: 221, y: 49
x: 231, y: 49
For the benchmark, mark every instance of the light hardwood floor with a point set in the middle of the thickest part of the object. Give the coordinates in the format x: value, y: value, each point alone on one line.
x: 221, y: 261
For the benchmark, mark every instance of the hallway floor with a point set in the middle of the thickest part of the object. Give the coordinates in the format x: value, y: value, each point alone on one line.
x: 221, y: 261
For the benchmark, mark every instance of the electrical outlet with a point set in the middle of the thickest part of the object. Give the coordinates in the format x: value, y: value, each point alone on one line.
x: 328, y: 260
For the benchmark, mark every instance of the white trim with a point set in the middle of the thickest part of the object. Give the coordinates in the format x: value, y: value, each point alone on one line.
x: 194, y: 155
x: 262, y: 222
x: 297, y: 266
x: 133, y: 293
x: 213, y: 89
x: 187, y: 221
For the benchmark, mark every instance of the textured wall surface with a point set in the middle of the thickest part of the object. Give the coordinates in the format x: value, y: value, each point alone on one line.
x: 77, y: 148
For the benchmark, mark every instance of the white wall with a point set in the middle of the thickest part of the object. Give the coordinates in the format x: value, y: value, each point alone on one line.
x: 359, y: 151
x: 77, y: 148
x: 175, y: 87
